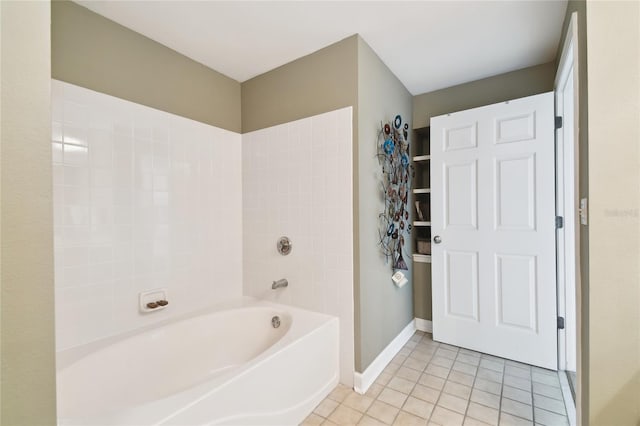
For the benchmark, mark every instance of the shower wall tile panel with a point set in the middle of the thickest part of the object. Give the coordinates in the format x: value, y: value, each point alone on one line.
x: 142, y: 199
x: 297, y: 182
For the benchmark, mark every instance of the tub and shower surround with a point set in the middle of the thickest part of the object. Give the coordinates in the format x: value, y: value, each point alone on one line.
x: 298, y: 182
x: 143, y: 199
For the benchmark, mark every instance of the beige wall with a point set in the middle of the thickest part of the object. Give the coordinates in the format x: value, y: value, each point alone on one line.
x: 27, y: 311
x: 94, y: 52
x: 382, y: 310
x: 503, y: 87
x: 323, y: 81
x: 613, y: 45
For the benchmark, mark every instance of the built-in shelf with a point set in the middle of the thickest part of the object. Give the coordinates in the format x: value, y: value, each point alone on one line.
x: 419, y: 158
x: 421, y: 223
x: 423, y: 258
x: 421, y: 190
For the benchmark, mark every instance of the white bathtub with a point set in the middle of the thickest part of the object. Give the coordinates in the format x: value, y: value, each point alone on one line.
x: 221, y: 366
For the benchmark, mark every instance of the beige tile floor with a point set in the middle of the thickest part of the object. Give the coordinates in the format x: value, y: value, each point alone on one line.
x: 429, y: 383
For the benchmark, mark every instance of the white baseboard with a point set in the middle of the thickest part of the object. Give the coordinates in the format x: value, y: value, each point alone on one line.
x: 424, y: 325
x: 363, y: 380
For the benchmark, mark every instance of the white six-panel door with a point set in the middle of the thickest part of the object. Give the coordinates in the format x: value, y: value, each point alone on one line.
x: 493, y: 211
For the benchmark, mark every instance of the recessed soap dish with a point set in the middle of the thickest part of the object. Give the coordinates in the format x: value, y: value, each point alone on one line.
x: 153, y: 300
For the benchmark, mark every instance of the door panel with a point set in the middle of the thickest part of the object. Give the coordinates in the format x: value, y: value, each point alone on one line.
x: 516, y: 288
x: 462, y: 137
x: 515, y: 193
x: 492, y: 186
x: 461, y: 195
x: 516, y: 128
x: 462, y: 284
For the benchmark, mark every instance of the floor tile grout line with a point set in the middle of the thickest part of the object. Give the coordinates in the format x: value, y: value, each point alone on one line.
x: 472, y: 387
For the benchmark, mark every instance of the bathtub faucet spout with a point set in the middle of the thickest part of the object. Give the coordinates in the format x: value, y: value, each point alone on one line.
x: 280, y: 283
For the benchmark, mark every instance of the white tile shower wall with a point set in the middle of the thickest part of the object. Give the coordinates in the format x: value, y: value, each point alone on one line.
x: 142, y: 199
x: 297, y: 181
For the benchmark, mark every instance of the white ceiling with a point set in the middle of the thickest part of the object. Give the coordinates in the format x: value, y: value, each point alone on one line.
x: 428, y: 45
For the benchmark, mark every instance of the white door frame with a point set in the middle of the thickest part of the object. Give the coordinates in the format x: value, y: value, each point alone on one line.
x: 568, y: 173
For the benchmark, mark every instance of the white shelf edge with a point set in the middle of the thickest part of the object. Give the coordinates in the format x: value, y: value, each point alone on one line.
x: 421, y: 190
x: 419, y: 158
x: 423, y: 258
x: 421, y: 223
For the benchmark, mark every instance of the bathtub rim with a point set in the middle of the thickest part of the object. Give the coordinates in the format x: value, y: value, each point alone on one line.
x: 66, y: 357
x: 166, y: 407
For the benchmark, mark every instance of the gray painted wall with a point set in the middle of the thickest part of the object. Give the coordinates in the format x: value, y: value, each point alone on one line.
x: 27, y: 390
x: 91, y: 51
x: 323, y: 81
x: 512, y: 85
x: 503, y: 87
x: 382, y: 310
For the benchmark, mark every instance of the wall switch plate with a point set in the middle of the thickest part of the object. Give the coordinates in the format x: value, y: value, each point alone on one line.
x: 583, y: 211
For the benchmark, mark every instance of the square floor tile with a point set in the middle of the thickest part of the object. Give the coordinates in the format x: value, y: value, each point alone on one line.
x: 548, y: 418
x: 432, y: 381
x: 485, y: 398
x: 408, y: 374
x: 313, y: 420
x: 374, y: 390
x: 453, y: 403
x: 326, y: 407
x: 549, y: 404
x: 460, y: 377
x: 344, y: 415
x: 517, y: 408
x: 545, y: 379
x: 418, y: 407
x: 468, y: 359
x: 470, y: 421
x: 392, y: 397
x: 407, y: 419
x: 517, y: 382
x: 442, y: 361
x: 370, y: 421
x: 358, y: 402
x: 488, y: 386
x: 485, y: 373
x: 382, y: 411
x: 507, y: 419
x: 517, y: 394
x: 546, y: 390
x: 491, y: 364
x: 517, y: 371
x: 415, y: 364
x: 483, y: 413
x: 437, y: 371
x: 457, y: 389
x: 445, y: 417
x: 446, y: 353
x: 426, y: 393
x: 339, y: 393
x: 401, y: 385
x: 463, y: 367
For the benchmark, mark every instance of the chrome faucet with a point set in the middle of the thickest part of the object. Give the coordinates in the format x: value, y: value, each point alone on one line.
x: 280, y: 283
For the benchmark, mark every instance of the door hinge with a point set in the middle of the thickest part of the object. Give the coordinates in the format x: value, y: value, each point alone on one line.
x: 560, y: 323
x: 558, y: 123
x: 559, y: 222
